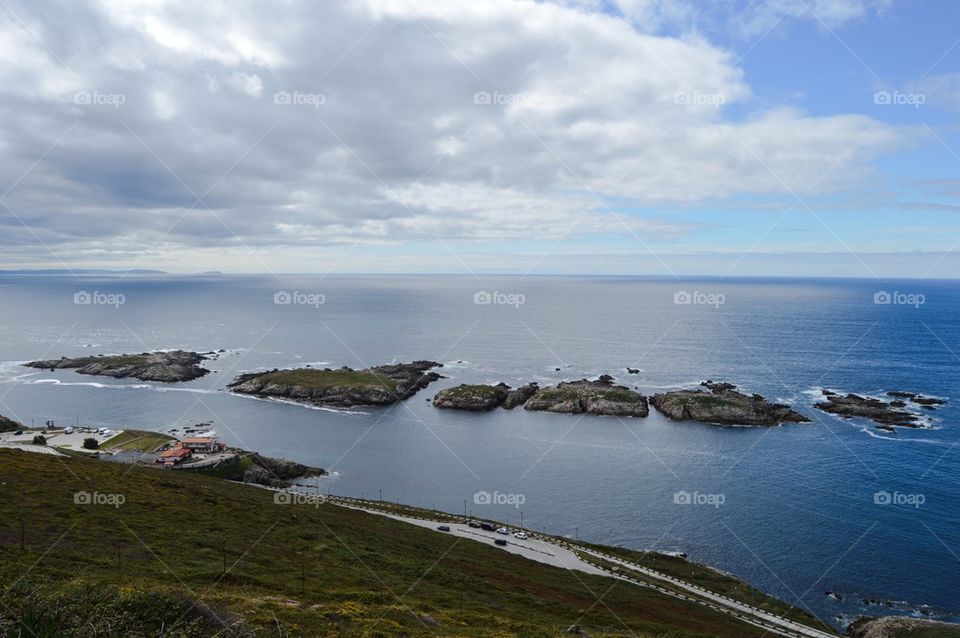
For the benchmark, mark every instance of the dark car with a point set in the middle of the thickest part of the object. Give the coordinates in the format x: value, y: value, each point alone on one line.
x: 474, y: 524
x: 18, y: 433
x: 500, y: 541
x: 444, y: 528
x: 487, y: 526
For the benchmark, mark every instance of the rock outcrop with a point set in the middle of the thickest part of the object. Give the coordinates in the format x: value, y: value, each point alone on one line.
x: 901, y: 627
x: 345, y: 387
x: 599, y: 397
x: 473, y: 398
x: 722, y: 404
x: 519, y: 396
x: 169, y: 367
x: 887, y: 414
x: 9, y: 425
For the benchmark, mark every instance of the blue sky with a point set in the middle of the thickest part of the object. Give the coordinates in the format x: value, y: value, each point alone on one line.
x: 582, y: 136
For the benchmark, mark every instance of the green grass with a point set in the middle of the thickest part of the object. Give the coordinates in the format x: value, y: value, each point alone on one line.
x: 309, y: 378
x: 465, y: 390
x: 136, y: 440
x: 117, y: 361
x: 185, y: 550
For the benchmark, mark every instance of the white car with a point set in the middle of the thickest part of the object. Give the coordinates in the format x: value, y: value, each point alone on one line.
x: 520, y: 536
x: 503, y: 530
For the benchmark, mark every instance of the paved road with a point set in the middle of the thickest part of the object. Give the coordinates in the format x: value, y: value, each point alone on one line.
x: 558, y: 554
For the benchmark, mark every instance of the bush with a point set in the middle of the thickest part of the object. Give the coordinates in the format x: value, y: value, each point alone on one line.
x: 90, y: 444
x: 39, y: 440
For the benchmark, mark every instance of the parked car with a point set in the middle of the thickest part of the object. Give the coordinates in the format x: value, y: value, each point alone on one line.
x: 500, y: 541
x: 487, y: 526
x: 18, y: 433
x: 443, y: 528
x: 503, y: 530
x: 521, y: 536
x: 475, y: 524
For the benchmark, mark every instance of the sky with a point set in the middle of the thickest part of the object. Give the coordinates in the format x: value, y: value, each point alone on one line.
x: 640, y: 137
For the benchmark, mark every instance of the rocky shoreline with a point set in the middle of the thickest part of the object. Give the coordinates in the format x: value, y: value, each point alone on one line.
x: 722, y: 404
x: 167, y: 367
x: 342, y: 388
x: 887, y: 414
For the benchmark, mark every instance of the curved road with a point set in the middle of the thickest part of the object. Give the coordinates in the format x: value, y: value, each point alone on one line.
x: 550, y: 551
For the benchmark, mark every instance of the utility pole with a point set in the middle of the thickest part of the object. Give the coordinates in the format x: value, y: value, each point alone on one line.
x: 464, y: 508
x: 521, y: 520
x: 381, y: 495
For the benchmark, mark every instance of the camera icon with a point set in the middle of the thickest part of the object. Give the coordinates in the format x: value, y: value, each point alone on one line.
x: 282, y: 97
x: 482, y: 97
x: 882, y: 498
x: 282, y: 298
x: 882, y: 298
x: 683, y: 297
x: 682, y: 498
x: 282, y: 498
x: 681, y: 97
x: 882, y: 97
x: 482, y: 298
x: 82, y: 298
x: 482, y: 498
x: 82, y: 97
x: 82, y: 498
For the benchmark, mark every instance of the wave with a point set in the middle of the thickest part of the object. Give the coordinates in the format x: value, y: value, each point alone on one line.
x: 343, y: 411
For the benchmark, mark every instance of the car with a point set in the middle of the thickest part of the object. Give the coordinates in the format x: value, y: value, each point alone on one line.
x: 443, y: 528
x: 474, y: 524
x: 500, y: 541
x: 487, y: 526
x: 503, y: 530
x: 521, y: 536
x: 18, y: 433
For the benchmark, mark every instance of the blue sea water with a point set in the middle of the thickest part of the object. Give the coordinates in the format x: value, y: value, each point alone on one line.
x: 798, y: 517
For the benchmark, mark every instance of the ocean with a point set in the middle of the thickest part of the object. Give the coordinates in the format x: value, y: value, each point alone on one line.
x: 801, y: 510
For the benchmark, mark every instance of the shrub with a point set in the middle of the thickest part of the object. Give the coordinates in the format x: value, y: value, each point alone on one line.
x: 39, y: 440
x: 90, y: 444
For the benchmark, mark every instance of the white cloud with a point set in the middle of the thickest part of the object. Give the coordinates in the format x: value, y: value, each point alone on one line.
x: 381, y: 136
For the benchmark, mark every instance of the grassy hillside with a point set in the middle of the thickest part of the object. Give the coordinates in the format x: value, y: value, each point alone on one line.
x: 192, y: 555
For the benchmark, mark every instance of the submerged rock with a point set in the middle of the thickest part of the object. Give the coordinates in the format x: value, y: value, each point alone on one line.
x: 474, y: 398
x: 722, y: 404
x: 346, y: 387
x: 173, y: 366
x: 600, y: 397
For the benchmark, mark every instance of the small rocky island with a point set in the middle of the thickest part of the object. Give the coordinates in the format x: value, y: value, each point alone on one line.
x: 599, y: 397
x: 722, y: 404
x: 342, y: 388
x: 170, y: 367
x: 888, y: 414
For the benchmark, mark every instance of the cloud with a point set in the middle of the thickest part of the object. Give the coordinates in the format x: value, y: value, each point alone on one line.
x: 129, y: 127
